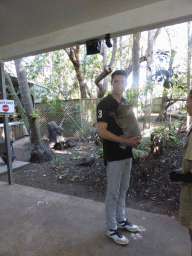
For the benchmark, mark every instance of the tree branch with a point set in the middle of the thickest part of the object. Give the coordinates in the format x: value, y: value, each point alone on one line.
x: 113, y: 53
x: 156, y: 34
x: 14, y: 96
x: 107, y: 70
x: 129, y: 69
x: 88, y: 90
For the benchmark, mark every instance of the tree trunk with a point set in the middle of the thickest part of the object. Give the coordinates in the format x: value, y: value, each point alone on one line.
x: 16, y: 99
x: 164, y: 106
x: 148, y: 73
x: 156, y: 35
x: 39, y: 153
x: 106, y: 71
x: 105, y: 80
x: 120, y: 53
x: 189, y: 34
x: 136, y: 64
x: 73, y: 54
x: 163, y: 111
x: 129, y: 69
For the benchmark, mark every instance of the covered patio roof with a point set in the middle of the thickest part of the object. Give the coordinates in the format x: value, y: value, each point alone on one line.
x: 33, y: 27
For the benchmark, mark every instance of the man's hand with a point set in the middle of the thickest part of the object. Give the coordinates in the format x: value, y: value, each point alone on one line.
x: 134, y: 141
x: 179, y: 176
x: 105, y: 134
x: 179, y: 170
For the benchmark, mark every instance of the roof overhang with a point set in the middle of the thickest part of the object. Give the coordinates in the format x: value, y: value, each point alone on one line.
x: 33, y: 27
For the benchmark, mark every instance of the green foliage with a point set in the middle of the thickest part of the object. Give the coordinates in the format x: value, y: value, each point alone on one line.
x: 176, y: 124
x: 53, y: 74
x: 126, y: 51
x: 145, y: 144
x: 137, y: 153
x: 167, y: 136
x: 99, y: 152
x: 148, y: 88
x: 143, y: 149
x: 33, y: 115
x: 132, y: 96
x: 55, y: 106
x: 91, y: 65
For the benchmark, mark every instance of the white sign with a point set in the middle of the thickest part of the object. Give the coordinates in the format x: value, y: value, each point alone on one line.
x: 7, y: 107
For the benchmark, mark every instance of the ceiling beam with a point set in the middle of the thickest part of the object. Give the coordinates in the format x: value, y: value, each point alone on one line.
x: 163, y: 13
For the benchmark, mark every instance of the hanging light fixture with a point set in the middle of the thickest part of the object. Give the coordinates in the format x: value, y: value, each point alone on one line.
x: 108, y: 40
x: 93, y: 46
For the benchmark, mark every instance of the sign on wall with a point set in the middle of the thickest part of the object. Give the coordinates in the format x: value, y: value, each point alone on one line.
x: 7, y: 107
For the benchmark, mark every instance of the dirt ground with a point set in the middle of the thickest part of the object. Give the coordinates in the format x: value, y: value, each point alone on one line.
x: 150, y: 187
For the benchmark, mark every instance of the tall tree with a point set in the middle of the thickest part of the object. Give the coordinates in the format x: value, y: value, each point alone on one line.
x: 16, y: 99
x: 120, y: 53
x: 39, y: 153
x: 152, y: 37
x: 107, y: 69
x: 170, y: 77
x: 136, y: 64
x: 74, y: 55
x: 189, y: 46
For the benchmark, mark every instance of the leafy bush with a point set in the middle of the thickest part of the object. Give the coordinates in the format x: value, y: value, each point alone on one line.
x: 137, y: 153
x: 145, y: 144
x: 99, y: 152
x: 143, y: 148
x: 132, y: 96
x: 167, y: 137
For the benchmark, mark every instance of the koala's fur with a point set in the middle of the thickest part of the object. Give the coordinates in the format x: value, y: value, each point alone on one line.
x: 125, y: 118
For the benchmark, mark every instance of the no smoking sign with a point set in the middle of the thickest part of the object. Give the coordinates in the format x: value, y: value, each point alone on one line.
x: 7, y: 107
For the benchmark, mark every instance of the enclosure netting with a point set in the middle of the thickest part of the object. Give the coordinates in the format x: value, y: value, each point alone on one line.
x: 76, y: 117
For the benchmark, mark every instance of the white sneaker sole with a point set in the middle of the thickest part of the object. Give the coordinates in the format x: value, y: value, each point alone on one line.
x: 119, y: 241
x: 133, y: 230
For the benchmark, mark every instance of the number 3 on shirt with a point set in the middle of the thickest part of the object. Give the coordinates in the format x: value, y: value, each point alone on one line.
x: 99, y: 113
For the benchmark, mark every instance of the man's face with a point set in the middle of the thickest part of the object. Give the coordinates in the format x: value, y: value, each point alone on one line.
x: 189, y: 105
x: 119, y: 84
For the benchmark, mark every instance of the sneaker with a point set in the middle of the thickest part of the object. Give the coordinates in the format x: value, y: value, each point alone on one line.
x: 117, y: 237
x: 127, y: 225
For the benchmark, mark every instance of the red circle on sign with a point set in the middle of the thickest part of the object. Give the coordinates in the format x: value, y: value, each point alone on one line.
x: 5, y: 108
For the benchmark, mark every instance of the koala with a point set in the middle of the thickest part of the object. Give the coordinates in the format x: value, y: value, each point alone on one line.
x: 125, y: 119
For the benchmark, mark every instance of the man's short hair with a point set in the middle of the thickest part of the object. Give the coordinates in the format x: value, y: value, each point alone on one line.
x: 119, y: 72
x: 190, y: 94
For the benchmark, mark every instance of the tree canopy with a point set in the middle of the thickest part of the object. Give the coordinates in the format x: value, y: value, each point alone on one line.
x: 162, y: 67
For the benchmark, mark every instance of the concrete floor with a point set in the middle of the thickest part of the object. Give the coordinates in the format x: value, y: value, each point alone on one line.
x: 35, y: 222
x: 15, y: 164
x: 19, y: 161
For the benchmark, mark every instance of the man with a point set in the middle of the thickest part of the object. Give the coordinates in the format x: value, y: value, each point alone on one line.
x: 185, y: 174
x: 117, y: 159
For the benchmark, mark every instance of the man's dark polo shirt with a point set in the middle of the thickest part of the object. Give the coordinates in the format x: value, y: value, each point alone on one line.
x: 111, y: 150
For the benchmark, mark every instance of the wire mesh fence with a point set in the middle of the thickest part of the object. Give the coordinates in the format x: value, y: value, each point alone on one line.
x: 76, y: 117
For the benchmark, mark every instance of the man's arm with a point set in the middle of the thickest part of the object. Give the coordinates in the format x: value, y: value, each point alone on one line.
x: 178, y: 175
x: 105, y: 134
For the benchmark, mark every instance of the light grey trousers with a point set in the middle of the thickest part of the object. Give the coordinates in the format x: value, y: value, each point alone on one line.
x: 118, y: 176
